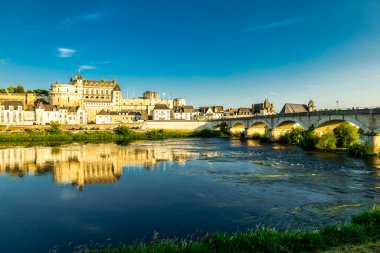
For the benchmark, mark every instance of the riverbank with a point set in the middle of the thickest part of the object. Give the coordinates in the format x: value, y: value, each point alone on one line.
x: 362, y: 231
x: 120, y: 134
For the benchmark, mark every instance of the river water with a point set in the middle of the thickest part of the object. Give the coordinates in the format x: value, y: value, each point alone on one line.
x: 94, y: 195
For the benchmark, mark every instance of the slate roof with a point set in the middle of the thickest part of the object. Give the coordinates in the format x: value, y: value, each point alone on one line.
x: 161, y: 107
x: 15, y: 104
x: 117, y: 88
x: 185, y: 108
x: 102, y: 112
x: 73, y: 108
x: 294, y: 108
x: 48, y: 107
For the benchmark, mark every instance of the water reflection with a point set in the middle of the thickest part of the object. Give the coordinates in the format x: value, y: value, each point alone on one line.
x: 176, y: 187
x: 87, y: 164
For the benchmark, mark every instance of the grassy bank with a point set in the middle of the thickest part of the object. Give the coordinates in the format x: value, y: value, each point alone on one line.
x: 122, y: 133
x: 363, y: 230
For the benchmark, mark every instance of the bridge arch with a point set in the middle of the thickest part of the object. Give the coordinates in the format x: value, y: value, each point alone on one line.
x: 329, y: 123
x: 237, y: 127
x: 286, y: 124
x: 257, y: 127
x: 290, y: 121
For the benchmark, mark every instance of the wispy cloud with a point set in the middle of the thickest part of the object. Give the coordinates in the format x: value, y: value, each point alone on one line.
x: 69, y: 22
x: 65, y: 52
x: 3, y: 62
x: 83, y: 67
x: 284, y: 22
x: 276, y: 94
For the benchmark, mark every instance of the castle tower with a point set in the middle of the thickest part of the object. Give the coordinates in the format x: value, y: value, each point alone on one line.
x: 116, y: 96
x: 78, y: 83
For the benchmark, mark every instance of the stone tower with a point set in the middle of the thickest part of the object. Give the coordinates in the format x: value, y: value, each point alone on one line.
x: 311, y: 106
x: 116, y: 95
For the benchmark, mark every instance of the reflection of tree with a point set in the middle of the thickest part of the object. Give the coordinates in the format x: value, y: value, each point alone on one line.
x: 81, y: 165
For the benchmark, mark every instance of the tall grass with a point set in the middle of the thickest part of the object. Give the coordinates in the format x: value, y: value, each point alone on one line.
x: 363, y: 228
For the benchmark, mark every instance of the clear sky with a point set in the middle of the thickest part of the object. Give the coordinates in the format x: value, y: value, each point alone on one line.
x: 232, y: 53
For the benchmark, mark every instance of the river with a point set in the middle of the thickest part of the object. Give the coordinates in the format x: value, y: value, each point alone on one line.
x: 94, y: 195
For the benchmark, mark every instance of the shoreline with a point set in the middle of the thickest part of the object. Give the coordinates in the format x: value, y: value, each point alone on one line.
x: 362, y: 231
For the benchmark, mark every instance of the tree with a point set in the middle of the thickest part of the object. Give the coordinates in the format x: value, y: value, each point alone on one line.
x: 346, y: 134
x: 122, y: 130
x: 293, y: 136
x: 310, y: 139
x: 55, y: 127
x: 327, y: 141
x: 11, y: 89
x: 3, y: 91
x: 19, y: 89
x: 41, y: 92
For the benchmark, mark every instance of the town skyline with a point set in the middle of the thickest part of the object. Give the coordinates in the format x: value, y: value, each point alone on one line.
x: 216, y: 53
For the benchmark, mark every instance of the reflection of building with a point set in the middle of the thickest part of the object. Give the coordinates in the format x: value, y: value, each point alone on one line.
x: 81, y: 165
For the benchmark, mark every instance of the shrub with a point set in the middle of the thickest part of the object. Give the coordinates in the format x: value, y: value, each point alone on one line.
x: 310, y: 140
x: 297, y: 135
x: 361, y: 149
x: 207, y: 133
x: 224, y: 129
x: 293, y: 136
x: 327, y: 141
x: 346, y: 134
x: 55, y: 127
x: 122, y: 130
x: 264, y: 139
x: 285, y: 138
x: 256, y: 136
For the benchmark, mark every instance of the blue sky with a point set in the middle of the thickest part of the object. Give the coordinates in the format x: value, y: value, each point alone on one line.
x: 233, y: 53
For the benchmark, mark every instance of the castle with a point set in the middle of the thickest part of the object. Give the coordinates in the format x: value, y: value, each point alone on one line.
x: 103, y: 95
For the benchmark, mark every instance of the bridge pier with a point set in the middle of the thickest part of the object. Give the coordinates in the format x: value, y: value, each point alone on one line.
x: 374, y: 140
x: 246, y: 134
x: 270, y: 134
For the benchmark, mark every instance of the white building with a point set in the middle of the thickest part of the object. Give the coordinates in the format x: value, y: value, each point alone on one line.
x: 186, y: 112
x: 211, y: 112
x: 161, y: 112
x: 117, y: 117
x: 73, y: 115
x: 11, y: 113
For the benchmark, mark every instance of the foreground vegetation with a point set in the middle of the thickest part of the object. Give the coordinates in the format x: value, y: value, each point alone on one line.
x: 363, y: 230
x: 120, y: 134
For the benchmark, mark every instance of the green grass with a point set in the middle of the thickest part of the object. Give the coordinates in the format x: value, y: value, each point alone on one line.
x: 363, y: 229
x: 370, y: 247
x: 99, y: 136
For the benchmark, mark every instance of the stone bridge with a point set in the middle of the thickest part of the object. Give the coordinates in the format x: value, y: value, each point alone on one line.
x: 367, y: 119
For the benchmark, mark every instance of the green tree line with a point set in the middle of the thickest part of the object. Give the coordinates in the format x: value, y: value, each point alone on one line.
x: 20, y: 89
